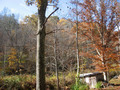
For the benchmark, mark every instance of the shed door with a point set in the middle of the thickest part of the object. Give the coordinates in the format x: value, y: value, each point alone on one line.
x: 92, y: 82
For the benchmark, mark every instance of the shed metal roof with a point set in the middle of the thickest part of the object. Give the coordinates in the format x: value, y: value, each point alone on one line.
x: 90, y: 74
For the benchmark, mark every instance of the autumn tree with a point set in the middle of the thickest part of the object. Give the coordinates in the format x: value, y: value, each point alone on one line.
x: 41, y: 33
x: 75, y: 12
x: 32, y: 21
x: 8, y: 29
x: 101, y: 19
x: 13, y: 61
x: 27, y: 46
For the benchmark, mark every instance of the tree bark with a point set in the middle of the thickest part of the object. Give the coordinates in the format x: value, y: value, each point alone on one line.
x: 77, y: 48
x: 56, y: 62
x: 40, y: 54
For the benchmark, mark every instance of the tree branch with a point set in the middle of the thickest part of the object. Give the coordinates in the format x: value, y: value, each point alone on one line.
x: 47, y: 19
x: 54, y: 31
x: 51, y: 14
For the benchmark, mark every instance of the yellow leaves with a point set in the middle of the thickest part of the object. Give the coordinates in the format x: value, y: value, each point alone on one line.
x: 12, y: 58
x: 62, y: 21
x: 115, y: 67
x: 38, y: 3
x: 1, y: 55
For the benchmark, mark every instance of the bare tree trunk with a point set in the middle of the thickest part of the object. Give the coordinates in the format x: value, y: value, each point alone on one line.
x: 4, y: 55
x: 40, y: 56
x: 56, y: 62
x: 77, y: 49
x: 105, y: 76
x: 118, y: 42
x: 103, y: 43
x: 103, y: 60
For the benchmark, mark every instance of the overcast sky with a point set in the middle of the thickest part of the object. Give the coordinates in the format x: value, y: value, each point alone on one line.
x: 20, y: 9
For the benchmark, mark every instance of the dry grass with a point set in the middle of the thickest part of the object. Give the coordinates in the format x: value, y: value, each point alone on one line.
x: 28, y: 82
x: 115, y: 81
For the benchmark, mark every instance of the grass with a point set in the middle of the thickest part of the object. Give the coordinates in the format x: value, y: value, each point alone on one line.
x: 115, y: 81
x: 79, y: 85
x: 18, y: 82
x: 28, y: 82
x: 98, y: 85
x: 65, y: 80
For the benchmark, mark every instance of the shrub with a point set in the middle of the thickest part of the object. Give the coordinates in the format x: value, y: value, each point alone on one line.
x: 18, y: 82
x: 79, y: 85
x: 70, y: 78
x: 98, y: 85
x: 113, y: 73
x: 67, y: 80
x: 11, y: 82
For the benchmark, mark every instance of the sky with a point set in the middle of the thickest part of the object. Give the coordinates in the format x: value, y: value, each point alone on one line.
x: 20, y: 9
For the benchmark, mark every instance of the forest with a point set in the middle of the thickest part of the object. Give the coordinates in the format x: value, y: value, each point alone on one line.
x: 51, y: 53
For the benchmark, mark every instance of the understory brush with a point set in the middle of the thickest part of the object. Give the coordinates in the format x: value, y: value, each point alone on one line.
x: 79, y: 85
x: 98, y: 85
x: 28, y: 82
x: 18, y: 82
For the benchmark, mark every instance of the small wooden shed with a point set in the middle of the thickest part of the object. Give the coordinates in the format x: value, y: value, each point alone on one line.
x: 92, y: 78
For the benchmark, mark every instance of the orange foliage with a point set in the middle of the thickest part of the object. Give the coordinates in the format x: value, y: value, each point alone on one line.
x: 104, y: 56
x: 98, y: 28
x: 12, y: 59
